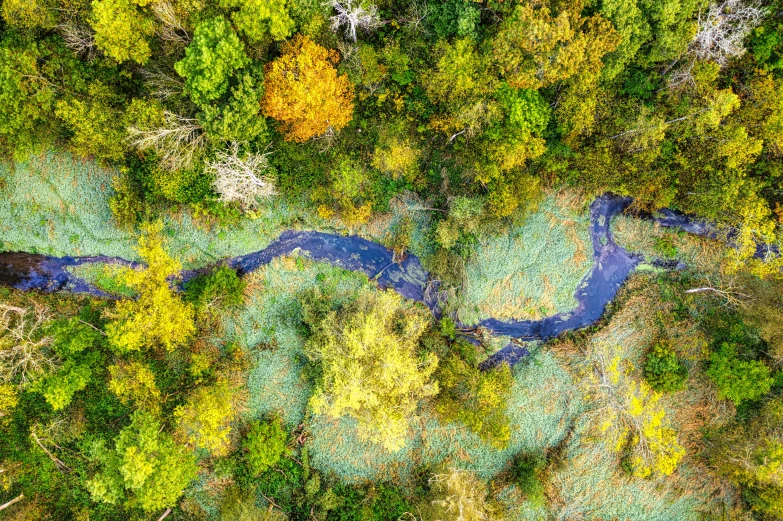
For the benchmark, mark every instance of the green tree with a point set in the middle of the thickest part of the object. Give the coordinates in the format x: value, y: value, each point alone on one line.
x: 663, y: 371
x: 26, y: 98
x: 370, y: 367
x: 264, y: 445
x: 146, y: 469
x: 211, y: 59
x: 737, y: 379
x: 476, y: 398
x: 122, y: 28
x: 97, y: 129
x: 158, y: 318
x: 260, y: 19
x: 239, y: 118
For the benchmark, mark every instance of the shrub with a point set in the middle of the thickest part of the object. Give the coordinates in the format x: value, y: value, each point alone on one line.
x: 476, y: 398
x: 738, y: 380
x: 264, y: 445
x: 663, y: 370
x: 527, y: 471
x: 222, y: 288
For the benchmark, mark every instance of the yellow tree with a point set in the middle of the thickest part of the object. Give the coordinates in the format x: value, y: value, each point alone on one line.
x: 159, y: 317
x: 371, y: 369
x: 304, y: 92
x: 204, y: 421
x: 631, y: 415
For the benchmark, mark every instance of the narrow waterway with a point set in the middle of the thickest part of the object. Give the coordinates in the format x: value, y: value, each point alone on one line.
x: 611, y: 267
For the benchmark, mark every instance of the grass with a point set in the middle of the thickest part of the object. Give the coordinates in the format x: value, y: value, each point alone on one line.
x: 56, y: 204
x: 531, y: 272
x: 657, y: 242
x: 105, y: 277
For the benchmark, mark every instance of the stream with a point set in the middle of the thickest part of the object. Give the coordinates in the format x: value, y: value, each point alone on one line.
x: 611, y: 267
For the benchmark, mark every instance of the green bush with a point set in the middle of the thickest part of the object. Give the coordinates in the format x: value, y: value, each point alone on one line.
x: 738, y: 380
x: 127, y: 203
x: 221, y: 288
x: 663, y: 370
x: 265, y: 445
x: 528, y: 472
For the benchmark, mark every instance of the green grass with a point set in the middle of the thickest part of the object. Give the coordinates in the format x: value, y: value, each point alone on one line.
x: 105, y: 277
x: 59, y: 205
x: 533, y: 271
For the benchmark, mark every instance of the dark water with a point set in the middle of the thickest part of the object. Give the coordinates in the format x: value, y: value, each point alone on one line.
x: 612, y: 266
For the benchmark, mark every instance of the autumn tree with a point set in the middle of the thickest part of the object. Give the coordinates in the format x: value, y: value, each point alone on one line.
x: 146, y: 469
x: 159, y: 317
x: 134, y: 384
x: 213, y: 56
x: 304, y: 92
x: 204, y: 420
x: 122, y: 29
x: 631, y: 415
x: 370, y: 366
x: 31, y: 14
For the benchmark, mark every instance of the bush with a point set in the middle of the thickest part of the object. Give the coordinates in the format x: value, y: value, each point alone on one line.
x: 476, y: 398
x: 738, y: 380
x: 663, y: 371
x: 222, y: 288
x: 265, y: 445
x: 528, y: 470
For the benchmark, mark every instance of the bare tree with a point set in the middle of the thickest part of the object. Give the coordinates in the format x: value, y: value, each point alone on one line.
x: 354, y: 16
x: 242, y: 179
x: 171, y: 28
x: 78, y: 38
x: 161, y: 83
x: 723, y: 28
x: 414, y: 18
x: 24, y: 353
x: 176, y: 142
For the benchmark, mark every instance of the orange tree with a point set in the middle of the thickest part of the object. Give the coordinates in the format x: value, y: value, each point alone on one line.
x: 304, y: 92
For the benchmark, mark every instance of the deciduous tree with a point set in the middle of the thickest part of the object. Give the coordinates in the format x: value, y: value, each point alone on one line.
x: 122, y: 29
x: 370, y: 366
x: 304, y: 92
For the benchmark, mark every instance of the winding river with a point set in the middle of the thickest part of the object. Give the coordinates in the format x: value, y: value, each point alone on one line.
x: 611, y: 267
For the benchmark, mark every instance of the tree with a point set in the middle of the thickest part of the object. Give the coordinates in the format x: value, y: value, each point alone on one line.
x: 476, y: 398
x: 204, y: 420
x: 26, y: 99
x: 213, y: 56
x: 259, y: 19
x: 134, y: 384
x: 146, y: 469
x: 566, y: 45
x: 239, y: 118
x: 370, y: 368
x: 158, y: 318
x: 121, y: 29
x: 752, y: 455
x: 663, y: 371
x: 97, y: 129
x: 723, y: 29
x: 32, y: 14
x: 363, y: 16
x: 737, y: 379
x: 264, y: 445
x: 304, y: 92
x: 634, y: 420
